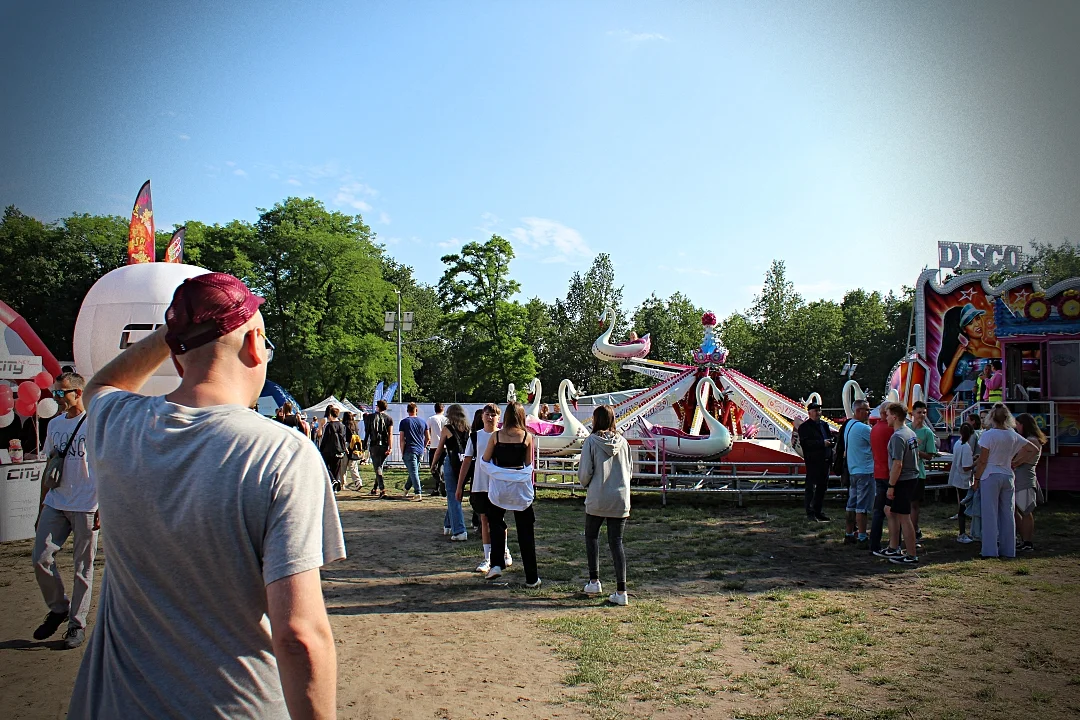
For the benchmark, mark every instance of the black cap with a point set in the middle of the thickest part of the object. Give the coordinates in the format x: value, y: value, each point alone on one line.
x: 813, y: 406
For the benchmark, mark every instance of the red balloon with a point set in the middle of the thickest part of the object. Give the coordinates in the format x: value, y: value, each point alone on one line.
x: 6, y: 391
x: 29, y: 391
x: 26, y: 408
x: 6, y: 404
x: 43, y: 380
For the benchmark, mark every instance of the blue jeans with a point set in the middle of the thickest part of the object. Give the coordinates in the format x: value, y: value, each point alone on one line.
x: 455, y: 516
x: 412, y: 465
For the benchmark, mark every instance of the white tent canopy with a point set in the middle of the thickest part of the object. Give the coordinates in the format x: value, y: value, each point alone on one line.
x: 321, y: 407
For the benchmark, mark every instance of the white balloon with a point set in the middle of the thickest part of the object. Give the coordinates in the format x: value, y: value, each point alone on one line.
x: 123, y: 307
x: 47, y: 408
x: 6, y: 420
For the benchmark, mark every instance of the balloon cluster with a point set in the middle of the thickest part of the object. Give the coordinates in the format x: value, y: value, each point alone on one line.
x: 29, y: 401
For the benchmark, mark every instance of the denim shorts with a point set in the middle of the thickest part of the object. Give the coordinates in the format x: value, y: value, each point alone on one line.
x: 860, y: 498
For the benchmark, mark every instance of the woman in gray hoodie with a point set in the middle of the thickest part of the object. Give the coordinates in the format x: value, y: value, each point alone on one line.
x: 604, y: 470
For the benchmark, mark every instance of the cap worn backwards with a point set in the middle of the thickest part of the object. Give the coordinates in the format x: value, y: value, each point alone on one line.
x: 207, y: 307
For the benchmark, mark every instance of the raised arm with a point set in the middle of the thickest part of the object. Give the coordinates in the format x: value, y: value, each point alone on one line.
x: 303, y: 645
x: 132, y: 368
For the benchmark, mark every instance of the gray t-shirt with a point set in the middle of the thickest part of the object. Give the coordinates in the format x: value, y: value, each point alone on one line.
x: 201, y: 509
x: 902, y: 446
x: 1025, y: 478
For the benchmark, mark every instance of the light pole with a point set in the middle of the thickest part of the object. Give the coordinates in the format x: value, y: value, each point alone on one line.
x: 398, y: 344
x: 403, y: 322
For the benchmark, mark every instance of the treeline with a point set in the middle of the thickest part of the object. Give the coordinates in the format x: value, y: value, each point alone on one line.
x: 328, y: 281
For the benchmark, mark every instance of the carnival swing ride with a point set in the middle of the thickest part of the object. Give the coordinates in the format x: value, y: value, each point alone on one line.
x: 721, y: 413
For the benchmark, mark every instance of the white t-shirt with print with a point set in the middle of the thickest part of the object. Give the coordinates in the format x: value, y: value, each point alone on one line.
x: 480, y: 478
x: 77, y: 491
x: 435, y: 424
x: 1001, y: 445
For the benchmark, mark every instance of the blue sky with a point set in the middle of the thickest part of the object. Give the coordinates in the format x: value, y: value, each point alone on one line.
x: 694, y: 141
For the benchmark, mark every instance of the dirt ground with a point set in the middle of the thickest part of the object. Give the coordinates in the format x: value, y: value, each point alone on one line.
x: 736, y: 612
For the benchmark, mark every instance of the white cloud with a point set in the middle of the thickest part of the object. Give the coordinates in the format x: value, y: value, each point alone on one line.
x: 230, y: 163
x: 384, y: 218
x: 349, y: 194
x: 560, y: 243
x: 184, y: 136
x: 633, y: 37
x: 451, y: 244
x: 488, y: 221
x: 294, y: 182
x: 240, y: 173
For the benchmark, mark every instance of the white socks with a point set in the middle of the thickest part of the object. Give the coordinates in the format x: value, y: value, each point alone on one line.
x: 487, y: 552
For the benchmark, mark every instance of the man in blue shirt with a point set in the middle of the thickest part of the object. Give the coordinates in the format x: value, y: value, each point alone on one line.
x: 860, y: 465
x: 414, y: 440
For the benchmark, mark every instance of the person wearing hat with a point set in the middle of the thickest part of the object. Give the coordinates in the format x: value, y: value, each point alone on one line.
x: 817, y: 443
x: 963, y: 340
x: 219, y: 520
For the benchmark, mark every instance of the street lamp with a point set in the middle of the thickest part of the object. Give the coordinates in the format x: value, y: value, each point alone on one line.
x: 403, y: 322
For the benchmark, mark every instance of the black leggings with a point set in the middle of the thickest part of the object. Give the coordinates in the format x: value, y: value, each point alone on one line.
x: 524, y: 521
x: 614, y: 538
x: 960, y: 516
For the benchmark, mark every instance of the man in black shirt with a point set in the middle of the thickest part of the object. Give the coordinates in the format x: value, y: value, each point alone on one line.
x: 817, y: 444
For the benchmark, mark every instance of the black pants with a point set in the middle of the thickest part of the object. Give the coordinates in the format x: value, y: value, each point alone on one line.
x: 877, y: 522
x: 524, y: 520
x: 378, y: 462
x: 438, y: 488
x: 615, y: 528
x: 817, y: 481
x: 961, y: 516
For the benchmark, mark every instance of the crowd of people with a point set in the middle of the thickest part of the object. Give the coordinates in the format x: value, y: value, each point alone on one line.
x: 219, y: 521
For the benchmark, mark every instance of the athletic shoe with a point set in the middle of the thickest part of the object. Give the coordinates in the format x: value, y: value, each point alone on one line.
x: 507, y: 560
x: 374, y: 491
x: 881, y: 553
x: 618, y: 598
x: 955, y: 517
x: 493, y: 573
x: 891, y: 553
x: 417, y: 498
x: 52, y: 622
x: 594, y: 587
x: 904, y: 560
x: 533, y: 585
x: 483, y: 567
x: 863, y: 538
x: 74, y: 637
x: 821, y: 517
x: 446, y: 531
x: 918, y: 534
x: 460, y: 537
x: 1026, y: 547
x: 964, y: 539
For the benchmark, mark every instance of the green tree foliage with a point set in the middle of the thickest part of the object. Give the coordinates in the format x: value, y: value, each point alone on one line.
x: 674, y: 325
x: 48, y: 269
x: 488, y: 327
x: 1053, y: 263
x: 575, y: 324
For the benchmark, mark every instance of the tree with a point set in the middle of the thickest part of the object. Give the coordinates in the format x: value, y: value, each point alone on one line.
x: 674, y: 326
x: 487, y: 325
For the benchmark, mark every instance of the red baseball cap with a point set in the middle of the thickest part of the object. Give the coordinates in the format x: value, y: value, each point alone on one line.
x: 207, y: 307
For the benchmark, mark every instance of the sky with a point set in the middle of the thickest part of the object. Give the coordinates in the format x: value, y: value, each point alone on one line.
x: 695, y: 142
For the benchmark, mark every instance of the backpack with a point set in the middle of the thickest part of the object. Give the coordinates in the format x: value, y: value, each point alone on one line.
x: 380, y: 430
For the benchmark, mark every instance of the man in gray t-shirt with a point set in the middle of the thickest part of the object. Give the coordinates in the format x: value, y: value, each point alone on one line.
x: 903, y: 471
x: 218, y: 519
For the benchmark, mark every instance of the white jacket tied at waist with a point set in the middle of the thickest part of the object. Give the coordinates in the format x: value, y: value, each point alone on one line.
x: 509, y: 488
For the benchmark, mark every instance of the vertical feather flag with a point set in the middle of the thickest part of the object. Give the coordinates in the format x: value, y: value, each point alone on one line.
x: 141, y: 246
x: 174, y: 252
x: 378, y: 394
x: 388, y: 396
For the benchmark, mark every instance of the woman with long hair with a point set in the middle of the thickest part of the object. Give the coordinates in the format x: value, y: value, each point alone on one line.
x: 963, y: 340
x: 605, y: 470
x: 1027, y: 485
x: 478, y: 494
x: 511, y: 448
x: 452, y: 442
x: 356, y: 446
x: 1002, y: 451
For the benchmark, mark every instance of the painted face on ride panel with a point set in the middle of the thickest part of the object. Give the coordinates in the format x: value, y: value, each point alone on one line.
x: 975, y: 328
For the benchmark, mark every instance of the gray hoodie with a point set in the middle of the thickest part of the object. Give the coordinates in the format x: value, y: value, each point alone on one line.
x: 605, y: 470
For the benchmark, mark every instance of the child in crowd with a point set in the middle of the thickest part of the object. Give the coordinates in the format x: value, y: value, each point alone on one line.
x: 605, y: 470
x: 963, y: 463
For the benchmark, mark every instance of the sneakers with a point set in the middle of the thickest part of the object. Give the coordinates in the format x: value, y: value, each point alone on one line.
x: 533, y: 585
x: 881, y: 553
x: 49, y: 626
x: 821, y: 517
x: 904, y: 560
x: 891, y: 553
x: 618, y: 598
x: 74, y: 637
x: 483, y: 567
x: 460, y: 537
x: 493, y: 573
x: 507, y: 560
x: 918, y: 533
x: 1026, y: 547
x: 446, y: 531
x: 955, y: 517
x: 417, y: 498
x: 863, y: 538
x: 964, y: 539
x: 594, y: 587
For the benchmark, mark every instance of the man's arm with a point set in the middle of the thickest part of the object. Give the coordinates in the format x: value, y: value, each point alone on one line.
x: 894, y: 472
x: 303, y: 645
x: 132, y: 368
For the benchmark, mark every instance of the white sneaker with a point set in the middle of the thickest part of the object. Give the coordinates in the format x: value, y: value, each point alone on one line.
x: 483, y: 567
x: 619, y: 598
x: 507, y: 560
x: 460, y: 537
x: 493, y: 573
x: 594, y: 587
x: 533, y: 585
x: 964, y: 539
x: 446, y: 531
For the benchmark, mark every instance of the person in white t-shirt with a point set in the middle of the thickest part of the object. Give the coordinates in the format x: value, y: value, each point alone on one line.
x: 478, y: 493
x: 435, y: 424
x: 69, y: 509
x: 960, y: 478
x: 1002, y: 451
x: 219, y: 520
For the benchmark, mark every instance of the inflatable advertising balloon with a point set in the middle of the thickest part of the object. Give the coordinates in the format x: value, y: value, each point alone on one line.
x: 122, y: 308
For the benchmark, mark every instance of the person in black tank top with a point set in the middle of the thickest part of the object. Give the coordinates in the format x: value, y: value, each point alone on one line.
x: 506, y: 450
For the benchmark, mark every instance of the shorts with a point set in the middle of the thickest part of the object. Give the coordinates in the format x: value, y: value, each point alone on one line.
x: 919, y: 491
x: 902, y: 496
x: 1026, y: 500
x: 479, y: 502
x: 861, y: 491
